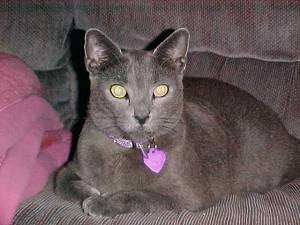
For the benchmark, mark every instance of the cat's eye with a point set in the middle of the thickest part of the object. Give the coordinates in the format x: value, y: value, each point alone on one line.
x: 118, y: 91
x: 161, y: 90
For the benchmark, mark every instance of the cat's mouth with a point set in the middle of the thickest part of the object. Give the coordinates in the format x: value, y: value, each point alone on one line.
x: 141, y: 136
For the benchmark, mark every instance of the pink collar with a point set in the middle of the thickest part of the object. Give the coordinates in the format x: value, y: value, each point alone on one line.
x: 153, y: 157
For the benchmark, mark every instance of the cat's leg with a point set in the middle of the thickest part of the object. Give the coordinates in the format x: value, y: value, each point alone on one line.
x: 69, y: 186
x: 127, y: 201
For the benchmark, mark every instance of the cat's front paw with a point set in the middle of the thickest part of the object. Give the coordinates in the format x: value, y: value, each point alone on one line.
x: 96, y: 205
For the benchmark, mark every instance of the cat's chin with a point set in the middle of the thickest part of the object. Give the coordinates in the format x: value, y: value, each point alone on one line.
x: 141, y: 136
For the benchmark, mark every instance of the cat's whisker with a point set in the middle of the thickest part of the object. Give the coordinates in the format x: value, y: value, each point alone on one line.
x: 170, y: 129
x: 172, y: 122
x: 166, y: 118
x: 171, y: 125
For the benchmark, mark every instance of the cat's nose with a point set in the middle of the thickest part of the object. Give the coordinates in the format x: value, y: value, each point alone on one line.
x: 141, y: 119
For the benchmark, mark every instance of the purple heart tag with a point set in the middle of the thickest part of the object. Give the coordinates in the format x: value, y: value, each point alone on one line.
x: 155, y: 159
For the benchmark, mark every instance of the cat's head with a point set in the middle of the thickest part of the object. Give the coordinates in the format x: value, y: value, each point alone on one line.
x: 136, y: 94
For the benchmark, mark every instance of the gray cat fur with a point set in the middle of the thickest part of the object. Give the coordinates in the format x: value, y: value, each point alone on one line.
x: 218, y: 139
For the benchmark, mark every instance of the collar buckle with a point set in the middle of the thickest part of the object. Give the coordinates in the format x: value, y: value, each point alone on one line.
x: 152, y: 143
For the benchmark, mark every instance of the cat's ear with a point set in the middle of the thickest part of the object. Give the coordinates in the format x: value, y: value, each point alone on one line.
x: 173, y: 50
x: 99, y: 51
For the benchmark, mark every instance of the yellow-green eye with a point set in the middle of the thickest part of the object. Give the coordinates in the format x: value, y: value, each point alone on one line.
x: 161, y: 90
x: 118, y: 91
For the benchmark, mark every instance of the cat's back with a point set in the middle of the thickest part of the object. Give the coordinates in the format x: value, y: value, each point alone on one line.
x: 229, y: 101
x: 265, y: 150
x: 234, y: 105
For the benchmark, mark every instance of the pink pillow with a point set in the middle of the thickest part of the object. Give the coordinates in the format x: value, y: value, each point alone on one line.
x: 33, y: 142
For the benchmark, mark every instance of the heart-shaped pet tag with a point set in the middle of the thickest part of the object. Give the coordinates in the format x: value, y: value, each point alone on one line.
x: 155, y: 159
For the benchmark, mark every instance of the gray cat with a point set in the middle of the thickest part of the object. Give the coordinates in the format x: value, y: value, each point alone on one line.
x: 153, y: 140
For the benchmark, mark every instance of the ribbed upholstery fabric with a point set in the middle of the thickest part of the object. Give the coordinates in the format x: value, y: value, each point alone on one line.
x: 264, y: 29
x: 36, y: 31
x: 278, y: 207
x: 40, y: 32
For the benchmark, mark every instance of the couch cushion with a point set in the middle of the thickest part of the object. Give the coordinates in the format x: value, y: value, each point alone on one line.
x: 258, y: 29
x: 36, y: 31
x: 277, y: 207
x: 61, y: 91
x: 277, y: 84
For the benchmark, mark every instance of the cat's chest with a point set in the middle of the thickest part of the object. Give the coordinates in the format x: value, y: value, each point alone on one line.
x: 124, y: 172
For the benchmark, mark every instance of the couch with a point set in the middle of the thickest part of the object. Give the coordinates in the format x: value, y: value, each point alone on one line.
x: 252, y: 44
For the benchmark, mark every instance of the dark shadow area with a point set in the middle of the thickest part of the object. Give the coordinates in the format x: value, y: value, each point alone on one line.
x: 156, y: 41
x: 77, y: 60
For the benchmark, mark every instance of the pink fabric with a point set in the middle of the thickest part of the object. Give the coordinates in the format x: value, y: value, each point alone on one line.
x: 16, y: 80
x: 33, y: 142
